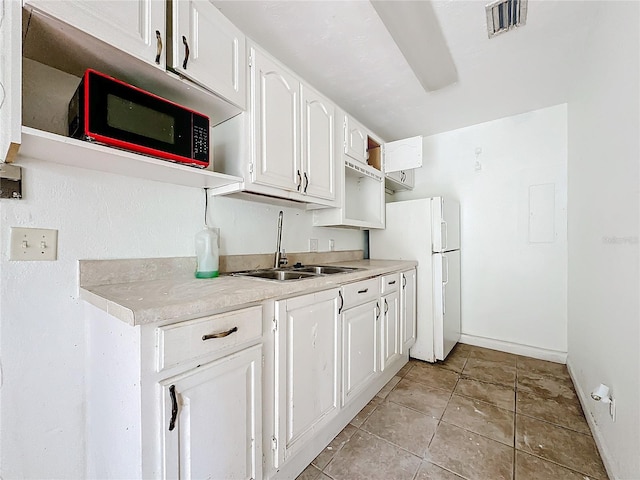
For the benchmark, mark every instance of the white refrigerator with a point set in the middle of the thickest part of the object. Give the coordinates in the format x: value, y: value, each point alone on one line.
x: 427, y: 230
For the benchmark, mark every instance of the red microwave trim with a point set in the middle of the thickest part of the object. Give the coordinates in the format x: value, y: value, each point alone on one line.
x: 128, y: 145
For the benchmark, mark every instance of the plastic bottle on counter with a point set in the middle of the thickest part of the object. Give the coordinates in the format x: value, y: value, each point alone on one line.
x: 207, y: 253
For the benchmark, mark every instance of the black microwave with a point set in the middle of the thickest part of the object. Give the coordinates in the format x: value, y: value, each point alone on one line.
x: 111, y: 112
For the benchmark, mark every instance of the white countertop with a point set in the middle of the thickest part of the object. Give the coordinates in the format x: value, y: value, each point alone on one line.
x: 183, y: 296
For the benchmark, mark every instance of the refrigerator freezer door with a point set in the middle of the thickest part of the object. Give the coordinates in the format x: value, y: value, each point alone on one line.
x: 446, y: 302
x: 445, y: 218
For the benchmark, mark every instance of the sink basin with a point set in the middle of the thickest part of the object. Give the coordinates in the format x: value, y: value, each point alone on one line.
x: 278, y: 274
x: 295, y: 273
x: 325, y: 269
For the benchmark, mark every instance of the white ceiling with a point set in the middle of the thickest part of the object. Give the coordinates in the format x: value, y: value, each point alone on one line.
x: 343, y: 50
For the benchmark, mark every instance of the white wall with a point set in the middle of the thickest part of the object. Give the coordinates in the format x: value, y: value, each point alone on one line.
x: 42, y: 329
x: 604, y: 197
x: 513, y: 290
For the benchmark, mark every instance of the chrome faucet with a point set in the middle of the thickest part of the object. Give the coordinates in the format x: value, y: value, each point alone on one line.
x: 280, y: 258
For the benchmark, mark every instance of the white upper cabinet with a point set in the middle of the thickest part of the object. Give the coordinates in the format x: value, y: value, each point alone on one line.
x: 400, y: 180
x: 133, y: 26
x: 355, y: 144
x: 208, y: 49
x: 403, y: 154
x: 293, y: 134
x: 276, y: 107
x: 318, y: 153
x: 10, y: 80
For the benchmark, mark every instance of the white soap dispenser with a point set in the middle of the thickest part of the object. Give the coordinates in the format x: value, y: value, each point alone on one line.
x: 207, y: 253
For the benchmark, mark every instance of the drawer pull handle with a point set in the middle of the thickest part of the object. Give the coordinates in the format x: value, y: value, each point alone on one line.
x: 364, y: 290
x: 341, y: 302
x: 219, y: 334
x: 377, y: 311
x: 174, y: 407
x: 386, y: 306
x: 404, y: 281
x: 392, y: 283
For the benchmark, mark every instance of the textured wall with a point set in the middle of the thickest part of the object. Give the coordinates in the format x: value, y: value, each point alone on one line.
x: 604, y: 226
x: 513, y: 287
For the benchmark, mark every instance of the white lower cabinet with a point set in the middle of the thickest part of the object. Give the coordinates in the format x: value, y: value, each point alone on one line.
x: 360, y: 332
x: 390, y: 338
x: 175, y: 401
x: 390, y: 325
x: 212, y: 419
x: 307, y: 350
x: 408, y: 317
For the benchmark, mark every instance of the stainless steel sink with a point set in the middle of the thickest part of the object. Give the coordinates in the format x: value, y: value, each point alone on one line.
x: 325, y: 269
x: 296, y: 273
x: 277, y: 274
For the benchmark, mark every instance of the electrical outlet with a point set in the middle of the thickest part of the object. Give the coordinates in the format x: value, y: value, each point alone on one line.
x: 332, y: 244
x: 33, y: 244
x: 313, y: 244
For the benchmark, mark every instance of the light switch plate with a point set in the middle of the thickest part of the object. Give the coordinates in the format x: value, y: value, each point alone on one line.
x: 313, y: 244
x: 33, y: 244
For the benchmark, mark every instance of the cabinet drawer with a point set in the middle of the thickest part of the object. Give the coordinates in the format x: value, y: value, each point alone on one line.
x: 389, y: 283
x: 360, y: 292
x: 207, y: 336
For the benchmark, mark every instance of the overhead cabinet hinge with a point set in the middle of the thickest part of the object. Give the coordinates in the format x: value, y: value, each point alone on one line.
x: 275, y: 324
x: 251, y: 168
x: 274, y: 443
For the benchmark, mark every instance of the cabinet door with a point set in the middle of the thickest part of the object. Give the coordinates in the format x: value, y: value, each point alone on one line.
x: 390, y: 338
x: 10, y: 80
x: 133, y: 26
x: 308, y: 364
x: 355, y: 140
x: 216, y: 49
x: 403, y: 154
x: 318, y: 157
x: 359, y: 348
x: 407, y: 310
x: 400, y: 180
x: 217, y: 427
x: 275, y: 109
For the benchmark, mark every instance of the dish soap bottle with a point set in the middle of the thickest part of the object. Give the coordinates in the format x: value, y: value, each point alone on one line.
x: 207, y: 253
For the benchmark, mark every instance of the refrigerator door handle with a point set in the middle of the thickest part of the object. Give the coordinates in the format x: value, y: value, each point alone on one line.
x: 445, y: 280
x: 444, y: 299
x: 443, y: 233
x: 445, y: 270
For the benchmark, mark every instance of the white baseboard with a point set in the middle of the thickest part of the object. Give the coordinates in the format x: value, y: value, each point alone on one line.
x: 515, y: 348
x: 585, y: 400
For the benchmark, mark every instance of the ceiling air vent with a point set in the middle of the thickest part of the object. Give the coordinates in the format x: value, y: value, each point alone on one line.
x: 504, y: 15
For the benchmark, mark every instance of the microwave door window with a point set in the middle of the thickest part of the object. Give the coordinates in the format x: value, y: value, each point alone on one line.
x: 137, y: 119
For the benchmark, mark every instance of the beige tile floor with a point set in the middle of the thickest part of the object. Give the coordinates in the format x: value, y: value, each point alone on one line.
x: 480, y: 415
